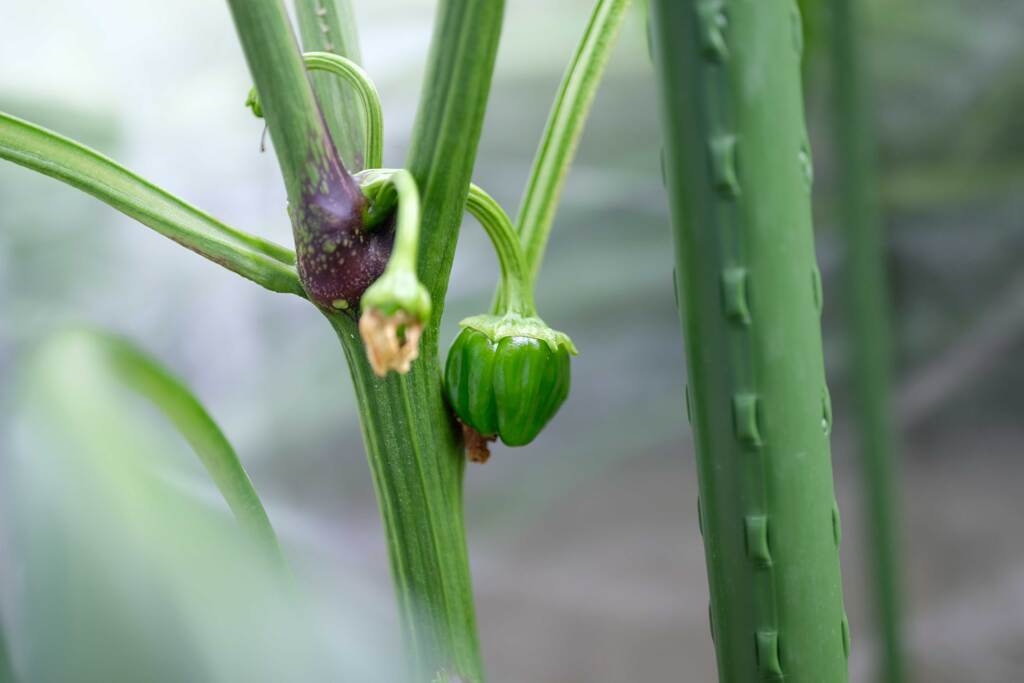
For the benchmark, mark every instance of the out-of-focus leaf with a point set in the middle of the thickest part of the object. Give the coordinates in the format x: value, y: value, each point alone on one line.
x: 130, y: 366
x: 127, y: 569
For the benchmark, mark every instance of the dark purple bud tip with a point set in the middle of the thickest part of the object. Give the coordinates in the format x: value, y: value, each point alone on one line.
x: 337, y: 258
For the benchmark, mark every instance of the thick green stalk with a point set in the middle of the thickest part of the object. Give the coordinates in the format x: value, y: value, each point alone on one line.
x: 448, y: 125
x: 417, y: 461
x: 301, y: 141
x: 330, y: 26
x: 738, y: 175
x: 867, y: 308
x: 414, y: 446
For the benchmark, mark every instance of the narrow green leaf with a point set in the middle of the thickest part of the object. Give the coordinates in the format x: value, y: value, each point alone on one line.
x: 34, y: 147
x: 124, y: 362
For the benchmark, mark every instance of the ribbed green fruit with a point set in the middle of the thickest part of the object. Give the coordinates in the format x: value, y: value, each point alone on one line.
x: 510, y: 388
x: 738, y: 173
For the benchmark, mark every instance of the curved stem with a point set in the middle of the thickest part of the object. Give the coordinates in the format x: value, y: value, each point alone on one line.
x: 38, y: 149
x: 407, y: 231
x: 564, y: 127
x: 514, y: 273
x: 368, y: 97
x: 376, y: 183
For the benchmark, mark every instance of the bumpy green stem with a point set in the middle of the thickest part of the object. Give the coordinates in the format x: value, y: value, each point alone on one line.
x: 330, y: 26
x: 414, y: 446
x: 866, y: 305
x: 514, y: 270
x: 738, y: 174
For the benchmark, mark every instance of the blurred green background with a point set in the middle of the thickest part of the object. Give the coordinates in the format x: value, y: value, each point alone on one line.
x: 587, y: 562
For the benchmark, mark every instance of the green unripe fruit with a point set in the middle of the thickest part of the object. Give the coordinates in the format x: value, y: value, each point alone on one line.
x: 506, y: 384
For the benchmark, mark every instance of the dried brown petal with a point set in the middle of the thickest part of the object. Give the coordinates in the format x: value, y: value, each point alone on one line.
x: 392, y: 341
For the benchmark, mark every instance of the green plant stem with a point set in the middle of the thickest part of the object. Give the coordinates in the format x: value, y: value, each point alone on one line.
x: 407, y: 229
x: 738, y: 175
x: 514, y: 271
x: 330, y: 26
x: 866, y: 305
x: 305, y: 152
x: 448, y: 126
x: 417, y: 461
x: 564, y: 128
x: 36, y: 148
x: 413, y: 445
x: 367, y: 100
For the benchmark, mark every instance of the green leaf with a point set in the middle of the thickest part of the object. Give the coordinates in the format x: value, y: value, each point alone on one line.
x: 118, y: 359
x: 34, y: 147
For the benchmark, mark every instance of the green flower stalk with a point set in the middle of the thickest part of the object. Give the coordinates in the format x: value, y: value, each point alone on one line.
x: 397, y: 305
x: 508, y: 374
x: 738, y: 175
x: 364, y: 89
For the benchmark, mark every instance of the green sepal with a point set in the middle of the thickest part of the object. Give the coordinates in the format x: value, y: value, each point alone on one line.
x: 398, y: 290
x: 498, y: 327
